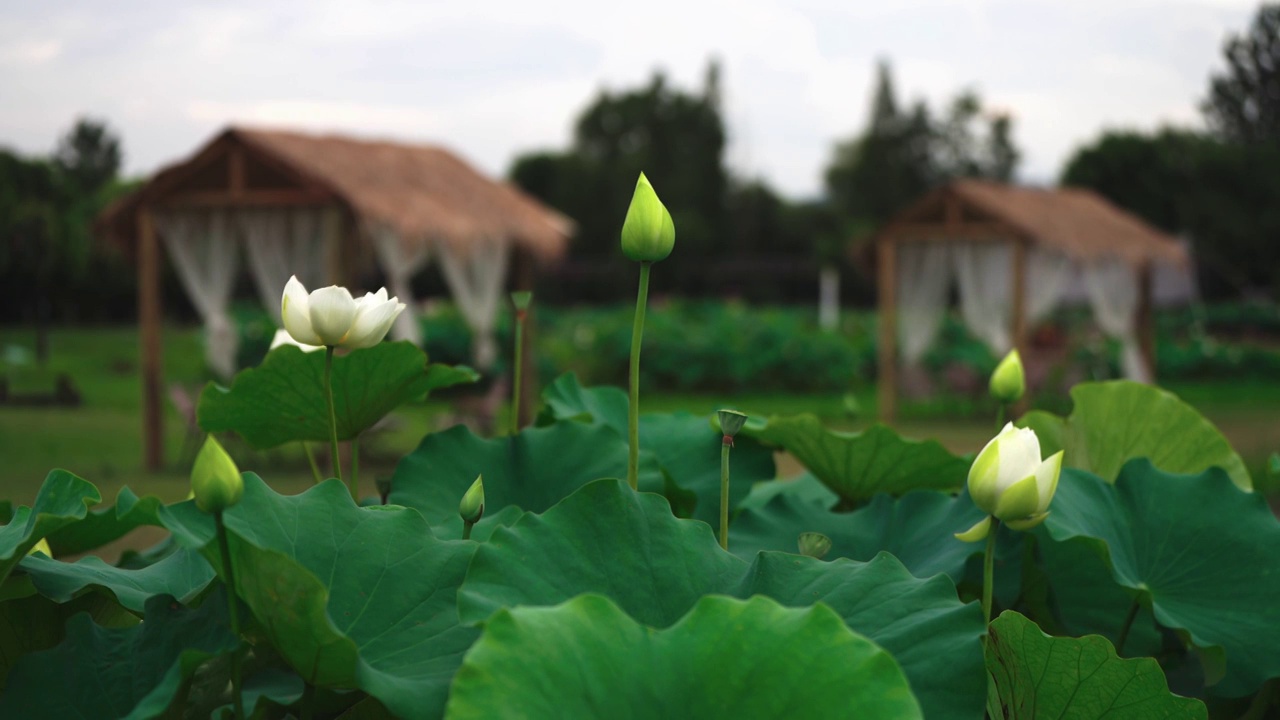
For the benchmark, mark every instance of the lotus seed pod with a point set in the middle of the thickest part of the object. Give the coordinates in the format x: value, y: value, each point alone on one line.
x: 731, y: 421
x: 814, y: 545
x: 1008, y: 382
x: 472, y: 506
x: 521, y: 299
x: 215, y: 480
x: 648, y: 233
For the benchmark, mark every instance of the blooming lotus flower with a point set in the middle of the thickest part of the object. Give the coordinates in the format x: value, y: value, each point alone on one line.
x: 330, y: 316
x: 1009, y: 481
x: 1008, y: 382
x: 282, y: 337
x: 648, y: 233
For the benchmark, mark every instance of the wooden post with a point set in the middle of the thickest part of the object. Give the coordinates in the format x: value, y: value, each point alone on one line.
x: 1019, y: 319
x: 887, y: 356
x: 151, y: 365
x: 1145, y: 321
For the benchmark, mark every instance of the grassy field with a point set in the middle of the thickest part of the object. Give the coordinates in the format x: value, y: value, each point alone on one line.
x: 101, y: 440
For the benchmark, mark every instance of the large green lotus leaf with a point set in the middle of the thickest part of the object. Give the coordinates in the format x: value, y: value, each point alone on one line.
x: 918, y: 528
x: 105, y: 525
x: 283, y: 399
x: 1114, y: 422
x: 1197, y: 549
x: 133, y: 672
x: 804, y: 486
x: 532, y: 470
x: 30, y: 622
x: 607, y: 539
x: 686, y: 445
x: 183, y: 575
x: 726, y: 659
x: 858, y: 465
x: 1038, y: 676
x: 350, y: 596
x: 63, y: 499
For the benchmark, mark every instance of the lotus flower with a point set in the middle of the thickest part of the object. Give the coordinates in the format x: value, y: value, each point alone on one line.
x: 648, y: 234
x: 216, y: 483
x: 282, y: 337
x: 1009, y: 481
x: 331, y: 317
x: 1008, y: 382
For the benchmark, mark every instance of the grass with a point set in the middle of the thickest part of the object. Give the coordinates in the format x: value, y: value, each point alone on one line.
x: 101, y: 440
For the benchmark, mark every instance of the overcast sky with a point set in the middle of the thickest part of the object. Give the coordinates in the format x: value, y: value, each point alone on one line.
x: 494, y: 79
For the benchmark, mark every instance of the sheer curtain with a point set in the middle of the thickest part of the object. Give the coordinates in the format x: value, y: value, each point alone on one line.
x: 202, y: 244
x: 280, y: 243
x: 924, y: 278
x: 475, y: 277
x: 400, y: 261
x: 1113, y: 294
x: 984, y: 274
x: 1048, y: 276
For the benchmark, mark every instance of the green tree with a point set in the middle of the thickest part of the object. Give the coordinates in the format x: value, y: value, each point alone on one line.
x: 1244, y: 102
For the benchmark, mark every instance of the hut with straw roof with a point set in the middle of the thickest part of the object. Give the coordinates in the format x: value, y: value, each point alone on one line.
x: 324, y: 208
x: 1013, y: 254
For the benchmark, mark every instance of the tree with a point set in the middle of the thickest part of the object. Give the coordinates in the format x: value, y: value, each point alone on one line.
x: 1244, y: 102
x: 88, y: 156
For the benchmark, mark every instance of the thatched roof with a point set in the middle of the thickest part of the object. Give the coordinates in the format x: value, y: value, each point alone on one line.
x: 1078, y: 223
x: 423, y: 192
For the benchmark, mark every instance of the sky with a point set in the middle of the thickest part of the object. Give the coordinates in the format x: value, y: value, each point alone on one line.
x: 492, y: 80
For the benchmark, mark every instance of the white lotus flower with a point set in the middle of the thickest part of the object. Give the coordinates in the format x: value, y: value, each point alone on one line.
x: 1009, y: 481
x: 330, y: 316
x: 282, y: 337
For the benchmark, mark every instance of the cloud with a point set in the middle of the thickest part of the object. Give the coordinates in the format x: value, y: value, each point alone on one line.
x: 24, y: 53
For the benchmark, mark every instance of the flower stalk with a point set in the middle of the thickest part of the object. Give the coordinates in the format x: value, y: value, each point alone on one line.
x: 633, y: 407
x: 988, y: 573
x: 333, y: 418
x: 731, y: 421
x: 521, y: 302
x: 233, y: 612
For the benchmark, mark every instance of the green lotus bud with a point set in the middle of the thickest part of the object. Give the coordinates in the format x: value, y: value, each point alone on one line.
x: 731, y: 421
x: 1008, y: 382
x: 1009, y: 481
x: 472, y: 506
x: 215, y: 480
x: 852, y: 407
x: 648, y: 233
x: 814, y: 545
x: 521, y: 299
x: 41, y: 547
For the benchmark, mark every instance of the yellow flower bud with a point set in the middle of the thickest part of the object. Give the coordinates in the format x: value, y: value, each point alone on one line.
x: 215, y: 480
x: 1008, y: 382
x: 472, y: 506
x: 648, y: 233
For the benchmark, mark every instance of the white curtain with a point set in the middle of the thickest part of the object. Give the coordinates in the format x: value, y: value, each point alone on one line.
x: 476, y: 275
x: 984, y: 274
x: 281, y: 243
x: 400, y: 261
x: 828, y: 298
x: 1113, y: 294
x: 202, y: 244
x: 1048, y: 276
x: 924, y: 278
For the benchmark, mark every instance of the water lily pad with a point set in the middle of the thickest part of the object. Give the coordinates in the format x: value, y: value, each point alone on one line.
x: 183, y: 575
x: 726, y: 659
x: 283, y: 399
x: 1195, y: 548
x: 350, y: 597
x: 105, y: 525
x: 1038, y: 676
x: 607, y: 539
x: 63, y: 499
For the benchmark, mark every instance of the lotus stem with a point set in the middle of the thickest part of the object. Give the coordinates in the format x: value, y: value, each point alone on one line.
x: 333, y: 418
x: 311, y: 458
x: 233, y: 612
x: 724, y: 491
x: 355, y: 469
x: 633, y: 407
x: 517, y: 372
x: 988, y: 572
x: 308, y: 709
x: 1000, y: 410
x: 1124, y: 629
x: 466, y: 529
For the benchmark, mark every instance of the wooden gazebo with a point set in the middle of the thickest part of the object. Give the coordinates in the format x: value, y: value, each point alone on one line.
x: 335, y: 204
x: 998, y: 234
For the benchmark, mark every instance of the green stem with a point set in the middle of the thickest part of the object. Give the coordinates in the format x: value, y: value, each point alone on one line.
x: 466, y: 529
x: 333, y: 417
x: 633, y: 409
x: 724, y: 493
x: 308, y: 709
x: 518, y: 372
x: 311, y: 458
x: 355, y: 469
x: 988, y: 572
x: 1124, y: 629
x: 999, y: 416
x: 233, y: 611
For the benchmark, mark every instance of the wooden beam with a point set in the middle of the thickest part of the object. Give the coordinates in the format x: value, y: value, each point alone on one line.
x: 246, y: 197
x: 1019, y: 320
x: 887, y: 356
x: 150, y: 350
x: 235, y: 172
x: 973, y: 231
x: 1145, y: 321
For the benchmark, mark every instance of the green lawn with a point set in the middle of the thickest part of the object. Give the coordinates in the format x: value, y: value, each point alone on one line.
x: 101, y: 440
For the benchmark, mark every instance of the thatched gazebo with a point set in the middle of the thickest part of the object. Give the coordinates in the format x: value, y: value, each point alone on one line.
x: 1013, y: 253
x: 324, y: 208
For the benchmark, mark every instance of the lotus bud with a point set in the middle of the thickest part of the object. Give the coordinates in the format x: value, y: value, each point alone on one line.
x: 814, y: 545
x: 41, y: 547
x: 215, y: 480
x: 648, y: 233
x: 731, y: 421
x: 331, y: 317
x: 1010, y: 482
x: 1008, y: 382
x: 521, y: 300
x: 472, y: 506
